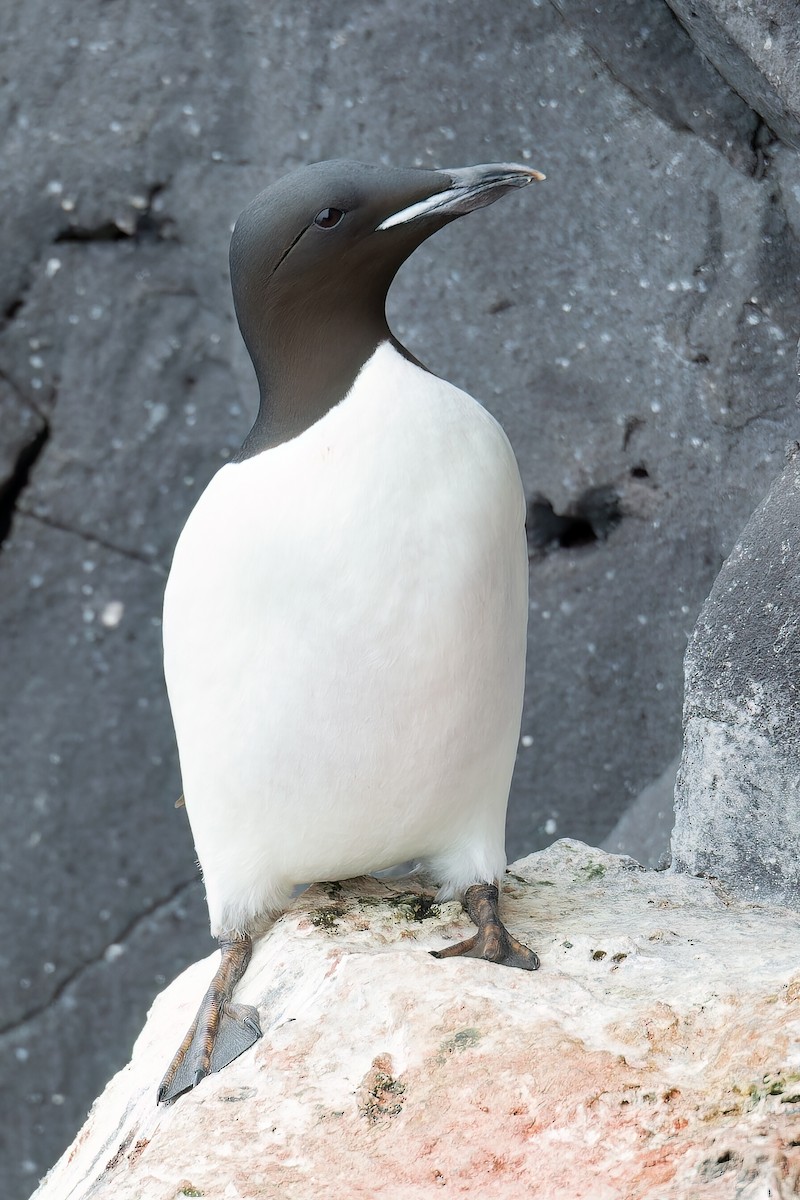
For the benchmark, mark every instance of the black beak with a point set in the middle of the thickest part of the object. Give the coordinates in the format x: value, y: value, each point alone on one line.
x: 470, y: 188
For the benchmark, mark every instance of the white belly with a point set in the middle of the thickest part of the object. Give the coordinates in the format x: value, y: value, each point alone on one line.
x: 344, y: 643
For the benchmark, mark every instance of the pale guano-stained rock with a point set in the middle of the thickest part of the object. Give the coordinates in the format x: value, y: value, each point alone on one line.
x: 655, y: 1055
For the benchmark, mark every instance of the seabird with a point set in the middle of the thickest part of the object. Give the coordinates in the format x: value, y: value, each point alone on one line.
x: 345, y: 616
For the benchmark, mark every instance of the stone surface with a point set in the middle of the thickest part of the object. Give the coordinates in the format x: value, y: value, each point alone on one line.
x: 105, y: 650
x: 756, y: 47
x: 92, y: 861
x: 644, y: 829
x: 53, y: 1057
x: 644, y: 46
x: 632, y: 326
x: 654, y: 1055
x: 737, y: 799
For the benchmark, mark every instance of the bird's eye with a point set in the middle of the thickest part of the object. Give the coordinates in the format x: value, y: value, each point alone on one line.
x: 328, y: 218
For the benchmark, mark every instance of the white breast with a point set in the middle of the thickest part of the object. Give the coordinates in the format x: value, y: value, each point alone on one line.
x: 344, y: 640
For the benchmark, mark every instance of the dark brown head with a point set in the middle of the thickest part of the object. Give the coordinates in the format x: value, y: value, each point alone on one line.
x: 312, y: 259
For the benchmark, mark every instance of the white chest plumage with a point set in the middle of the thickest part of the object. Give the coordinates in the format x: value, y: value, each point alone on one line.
x: 344, y: 641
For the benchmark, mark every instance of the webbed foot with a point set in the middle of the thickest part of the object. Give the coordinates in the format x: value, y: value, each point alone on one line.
x: 220, y: 1032
x: 492, y: 941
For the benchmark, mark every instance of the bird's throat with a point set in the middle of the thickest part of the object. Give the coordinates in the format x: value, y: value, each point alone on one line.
x: 305, y: 367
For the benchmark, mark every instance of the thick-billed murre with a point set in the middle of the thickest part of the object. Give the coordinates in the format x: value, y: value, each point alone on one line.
x: 345, y: 616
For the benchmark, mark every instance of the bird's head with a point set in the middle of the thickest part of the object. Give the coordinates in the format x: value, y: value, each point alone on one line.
x: 313, y: 256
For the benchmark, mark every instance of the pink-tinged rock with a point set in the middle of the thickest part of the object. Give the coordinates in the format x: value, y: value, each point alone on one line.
x: 655, y: 1055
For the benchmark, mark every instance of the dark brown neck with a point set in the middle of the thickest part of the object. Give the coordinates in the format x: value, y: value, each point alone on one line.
x: 306, y: 360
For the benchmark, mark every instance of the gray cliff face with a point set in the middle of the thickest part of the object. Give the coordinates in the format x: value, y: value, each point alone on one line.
x: 756, y: 47
x: 737, y: 800
x: 633, y: 330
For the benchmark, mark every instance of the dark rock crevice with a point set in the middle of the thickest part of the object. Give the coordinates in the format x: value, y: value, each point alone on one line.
x: 763, y: 138
x: 589, y: 519
x: 94, y: 539
x: 14, y: 307
x: 144, y: 225
x: 13, y: 487
x: 22, y: 397
x: 122, y: 936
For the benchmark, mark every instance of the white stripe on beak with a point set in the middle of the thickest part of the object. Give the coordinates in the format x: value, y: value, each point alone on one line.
x: 475, y: 187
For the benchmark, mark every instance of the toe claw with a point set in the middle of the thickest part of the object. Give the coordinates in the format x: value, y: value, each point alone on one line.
x: 458, y: 949
x: 250, y: 1019
x: 523, y: 958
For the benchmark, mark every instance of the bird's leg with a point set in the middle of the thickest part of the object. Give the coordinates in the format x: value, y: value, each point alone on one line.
x: 221, y: 1031
x: 492, y: 941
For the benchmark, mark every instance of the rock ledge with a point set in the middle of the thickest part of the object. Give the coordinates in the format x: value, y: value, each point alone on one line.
x: 655, y: 1055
